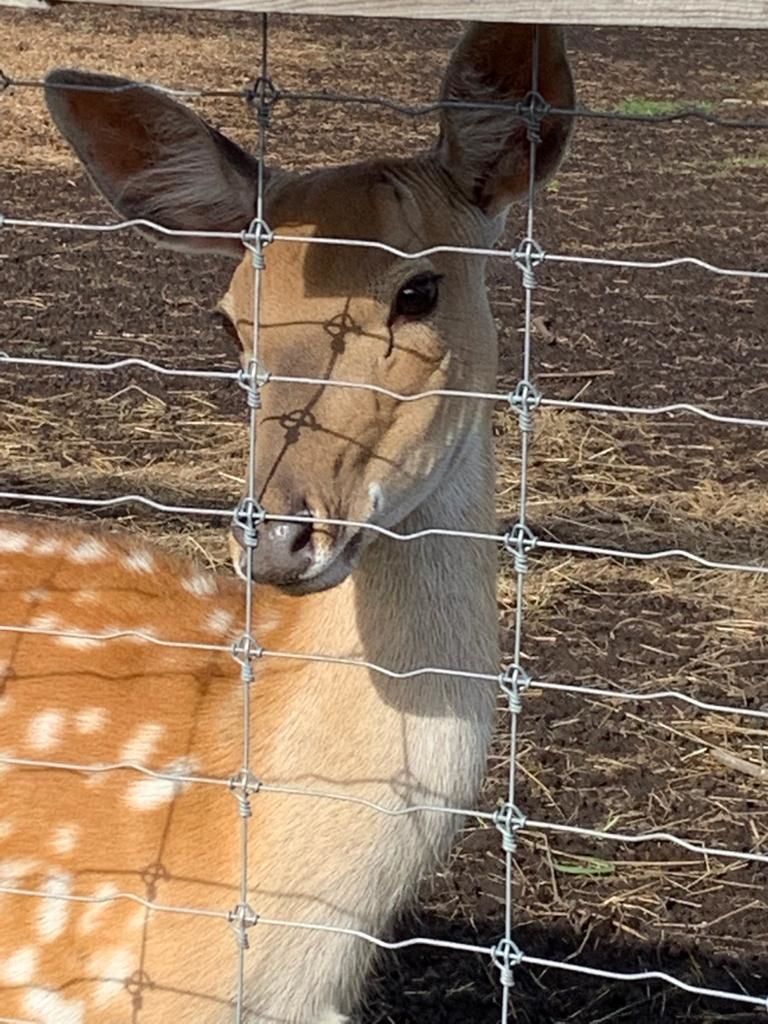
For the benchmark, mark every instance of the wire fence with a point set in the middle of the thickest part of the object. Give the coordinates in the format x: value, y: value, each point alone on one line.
x: 519, y: 542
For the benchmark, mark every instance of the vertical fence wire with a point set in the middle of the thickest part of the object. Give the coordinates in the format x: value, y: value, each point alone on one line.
x: 248, y: 517
x: 514, y: 678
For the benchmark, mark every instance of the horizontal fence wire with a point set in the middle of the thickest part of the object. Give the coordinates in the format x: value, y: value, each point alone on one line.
x: 361, y: 243
x: 518, y: 821
x: 504, y: 540
x: 669, y: 409
x: 250, y: 94
x: 395, y: 946
x: 506, y: 954
x: 84, y: 638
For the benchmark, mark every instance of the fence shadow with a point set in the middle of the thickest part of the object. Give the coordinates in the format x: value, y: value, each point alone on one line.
x: 424, y: 985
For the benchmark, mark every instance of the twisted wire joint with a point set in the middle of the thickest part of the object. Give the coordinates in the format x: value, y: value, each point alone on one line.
x: 506, y: 955
x: 533, y: 109
x: 514, y: 681
x: 256, y: 237
x: 524, y: 400
x: 518, y: 541
x: 508, y: 820
x: 242, y: 918
x: 244, y: 651
x: 252, y: 379
x: 248, y: 517
x: 263, y: 95
x: 244, y: 785
x: 528, y: 256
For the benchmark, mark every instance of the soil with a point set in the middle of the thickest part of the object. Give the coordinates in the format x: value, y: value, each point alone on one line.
x: 628, y: 336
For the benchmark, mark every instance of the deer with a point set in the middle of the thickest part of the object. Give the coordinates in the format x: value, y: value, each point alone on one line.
x: 123, y: 810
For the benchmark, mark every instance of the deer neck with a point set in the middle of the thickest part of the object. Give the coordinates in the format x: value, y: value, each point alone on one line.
x: 420, y: 603
x: 431, y: 601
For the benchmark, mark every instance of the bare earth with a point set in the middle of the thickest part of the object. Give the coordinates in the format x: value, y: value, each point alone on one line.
x: 628, y: 336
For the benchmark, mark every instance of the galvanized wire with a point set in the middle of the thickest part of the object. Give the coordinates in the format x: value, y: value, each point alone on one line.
x: 463, y: 947
x: 454, y: 672
x: 241, y: 377
x: 519, y: 540
x: 544, y: 257
x: 514, y: 680
x: 684, y: 112
x: 508, y: 540
x: 247, y: 517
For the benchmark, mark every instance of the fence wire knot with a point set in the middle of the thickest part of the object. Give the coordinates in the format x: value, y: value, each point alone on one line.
x: 252, y: 379
x: 242, y: 918
x: 506, y: 955
x: 248, y: 517
x: 508, y: 820
x: 263, y: 95
x: 533, y: 109
x: 514, y: 681
x: 244, y: 785
x: 518, y: 541
x: 528, y: 256
x: 256, y: 237
x: 524, y: 400
x: 244, y: 651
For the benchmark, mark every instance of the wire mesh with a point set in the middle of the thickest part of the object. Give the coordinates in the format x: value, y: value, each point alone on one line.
x: 518, y: 540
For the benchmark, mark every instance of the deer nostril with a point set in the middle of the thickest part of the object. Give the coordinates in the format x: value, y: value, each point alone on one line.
x: 302, y: 538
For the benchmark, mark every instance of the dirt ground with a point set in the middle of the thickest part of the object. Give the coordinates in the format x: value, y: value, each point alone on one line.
x: 628, y: 336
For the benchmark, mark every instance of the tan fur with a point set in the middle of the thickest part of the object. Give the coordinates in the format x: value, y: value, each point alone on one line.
x: 324, y: 728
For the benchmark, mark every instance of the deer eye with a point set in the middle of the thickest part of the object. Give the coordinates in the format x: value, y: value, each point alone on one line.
x: 417, y: 298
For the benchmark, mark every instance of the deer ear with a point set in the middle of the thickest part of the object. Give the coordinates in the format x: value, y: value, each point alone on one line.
x: 487, y: 151
x: 153, y: 158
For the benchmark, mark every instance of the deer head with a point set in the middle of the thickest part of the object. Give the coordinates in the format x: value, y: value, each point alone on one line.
x: 351, y: 313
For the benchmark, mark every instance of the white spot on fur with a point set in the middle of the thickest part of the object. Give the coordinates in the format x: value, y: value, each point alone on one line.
x: 90, y: 720
x: 87, y: 597
x: 200, y: 585
x: 142, y: 631
x: 48, y: 546
x: 44, y: 731
x: 77, y: 642
x: 94, y: 779
x: 38, y: 594
x: 220, y: 621
x: 13, y: 542
x: 19, y: 968
x: 376, y: 497
x: 89, y: 550
x: 137, y: 920
x: 46, y: 622
x: 54, y: 913
x: 5, y: 701
x: 113, y: 969
x: 6, y: 829
x: 48, y: 1008
x: 13, y: 872
x: 141, y: 745
x: 147, y: 794
x: 93, y: 912
x: 139, y: 561
x: 64, y: 839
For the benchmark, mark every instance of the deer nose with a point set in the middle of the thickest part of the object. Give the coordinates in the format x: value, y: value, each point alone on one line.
x: 284, y: 551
